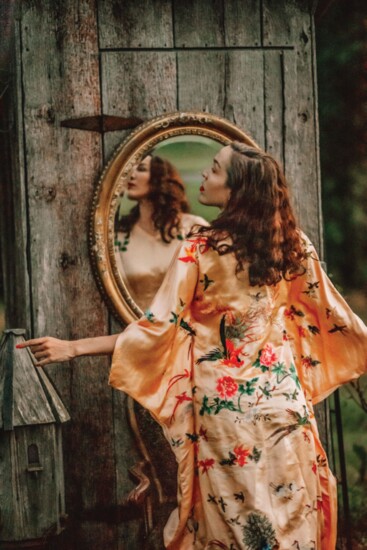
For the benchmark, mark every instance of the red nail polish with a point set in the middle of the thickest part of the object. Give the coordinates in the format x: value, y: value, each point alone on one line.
x: 18, y: 346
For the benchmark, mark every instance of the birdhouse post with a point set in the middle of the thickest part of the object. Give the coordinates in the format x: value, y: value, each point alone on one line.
x: 32, y: 503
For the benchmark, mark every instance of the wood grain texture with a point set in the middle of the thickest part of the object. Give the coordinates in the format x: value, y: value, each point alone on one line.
x: 227, y: 84
x: 141, y: 84
x: 284, y: 21
x: 61, y: 80
x: 138, y: 24
x: 13, y: 197
x: 244, y: 99
x: 201, y: 81
x: 31, y: 505
x: 242, y: 22
x: 274, y: 103
x: 198, y: 23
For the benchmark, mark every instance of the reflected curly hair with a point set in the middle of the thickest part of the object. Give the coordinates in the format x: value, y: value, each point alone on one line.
x: 258, y: 218
x: 167, y: 195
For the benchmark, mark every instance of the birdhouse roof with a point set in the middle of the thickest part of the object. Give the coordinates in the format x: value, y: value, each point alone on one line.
x: 27, y: 395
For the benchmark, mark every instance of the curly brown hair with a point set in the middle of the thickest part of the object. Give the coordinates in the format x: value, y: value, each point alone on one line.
x: 258, y: 218
x: 167, y: 195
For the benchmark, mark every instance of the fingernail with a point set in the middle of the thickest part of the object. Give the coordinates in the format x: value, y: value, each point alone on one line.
x: 19, y: 346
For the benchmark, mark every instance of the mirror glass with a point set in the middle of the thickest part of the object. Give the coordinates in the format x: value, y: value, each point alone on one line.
x: 142, y: 253
x: 146, y: 202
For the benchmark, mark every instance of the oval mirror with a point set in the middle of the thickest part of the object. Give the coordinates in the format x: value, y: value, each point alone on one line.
x: 146, y: 202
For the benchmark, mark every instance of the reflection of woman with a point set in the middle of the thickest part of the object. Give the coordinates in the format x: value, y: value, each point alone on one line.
x: 244, y: 336
x: 149, y: 235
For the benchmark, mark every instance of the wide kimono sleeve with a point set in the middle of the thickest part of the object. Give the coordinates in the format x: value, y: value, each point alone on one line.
x: 155, y: 351
x: 329, y: 340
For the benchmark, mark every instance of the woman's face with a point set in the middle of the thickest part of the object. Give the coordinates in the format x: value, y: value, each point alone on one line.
x: 214, y: 190
x: 138, y: 187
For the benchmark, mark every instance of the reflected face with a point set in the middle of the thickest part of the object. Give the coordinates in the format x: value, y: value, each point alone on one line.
x: 214, y: 190
x: 138, y: 187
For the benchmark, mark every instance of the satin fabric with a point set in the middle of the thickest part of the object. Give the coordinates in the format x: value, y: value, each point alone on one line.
x: 143, y: 261
x: 231, y: 372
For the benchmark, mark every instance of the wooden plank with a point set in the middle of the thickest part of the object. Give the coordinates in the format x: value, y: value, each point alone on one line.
x: 225, y: 84
x: 242, y: 22
x: 38, y: 492
x: 198, y: 23
x: 13, y: 203
x: 274, y: 104
x: 62, y: 165
x: 285, y: 22
x: 7, y: 504
x: 301, y: 156
x: 244, y: 100
x: 201, y: 84
x: 135, y: 24
x: 141, y: 84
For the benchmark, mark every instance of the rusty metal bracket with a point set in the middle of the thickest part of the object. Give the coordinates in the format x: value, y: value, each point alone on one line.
x: 102, y: 123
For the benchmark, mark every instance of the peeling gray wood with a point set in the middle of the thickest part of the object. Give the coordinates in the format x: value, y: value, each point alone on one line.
x: 300, y: 145
x: 198, y: 23
x: 13, y: 205
x: 201, y: 81
x: 141, y: 84
x: 274, y: 103
x: 138, y: 24
x: 285, y: 22
x: 225, y: 84
x: 31, y: 504
x: 244, y: 100
x: 61, y: 80
x: 242, y: 22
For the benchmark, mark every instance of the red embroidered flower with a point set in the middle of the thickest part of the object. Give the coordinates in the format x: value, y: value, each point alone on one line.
x: 301, y: 331
x: 206, y: 464
x: 226, y: 387
x: 241, y: 455
x: 289, y: 313
x: 201, y: 242
x: 232, y: 359
x: 190, y: 254
x: 314, y: 468
x: 202, y: 433
x: 267, y: 356
x: 307, y: 361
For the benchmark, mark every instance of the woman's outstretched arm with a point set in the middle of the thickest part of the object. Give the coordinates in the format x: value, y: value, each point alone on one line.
x: 52, y: 350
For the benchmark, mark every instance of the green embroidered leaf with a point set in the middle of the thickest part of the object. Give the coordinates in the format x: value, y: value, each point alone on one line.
x: 149, y: 316
x: 205, y: 408
x: 186, y: 326
x: 231, y: 461
x: 249, y: 388
x: 174, y: 318
x: 293, y: 374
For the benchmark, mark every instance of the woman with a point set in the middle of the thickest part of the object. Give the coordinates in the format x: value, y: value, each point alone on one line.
x: 244, y: 336
x: 149, y: 235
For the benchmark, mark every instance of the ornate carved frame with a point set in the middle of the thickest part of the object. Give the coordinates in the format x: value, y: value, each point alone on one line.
x: 139, y: 142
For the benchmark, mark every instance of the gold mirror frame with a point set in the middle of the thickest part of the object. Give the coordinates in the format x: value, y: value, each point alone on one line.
x: 144, y: 138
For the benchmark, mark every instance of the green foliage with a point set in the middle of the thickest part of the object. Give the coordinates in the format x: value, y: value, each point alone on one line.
x: 341, y: 59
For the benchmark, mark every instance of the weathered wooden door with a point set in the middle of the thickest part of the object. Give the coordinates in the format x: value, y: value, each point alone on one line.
x: 250, y: 61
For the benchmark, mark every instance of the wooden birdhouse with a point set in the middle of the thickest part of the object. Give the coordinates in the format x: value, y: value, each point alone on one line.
x: 32, y: 504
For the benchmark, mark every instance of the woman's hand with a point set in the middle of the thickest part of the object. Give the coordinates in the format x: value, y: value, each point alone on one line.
x: 49, y: 350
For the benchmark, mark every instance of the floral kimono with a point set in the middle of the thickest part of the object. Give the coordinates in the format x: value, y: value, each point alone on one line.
x: 231, y: 372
